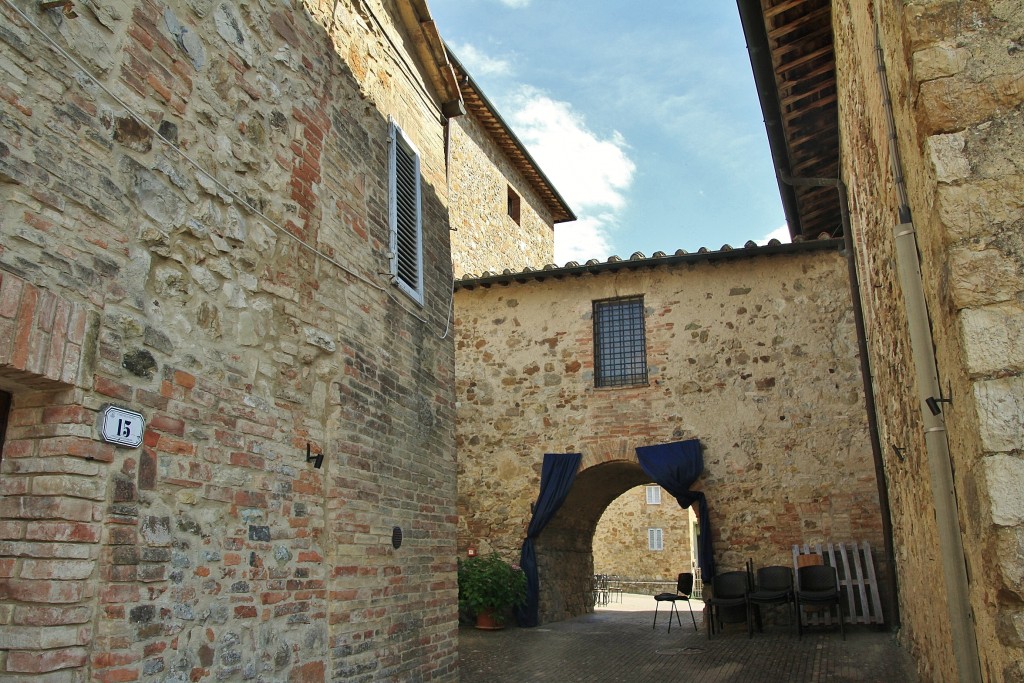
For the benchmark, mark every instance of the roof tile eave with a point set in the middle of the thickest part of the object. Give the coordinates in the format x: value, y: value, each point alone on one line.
x: 637, y: 261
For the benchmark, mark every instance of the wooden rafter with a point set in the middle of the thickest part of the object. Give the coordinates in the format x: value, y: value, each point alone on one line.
x: 800, y: 43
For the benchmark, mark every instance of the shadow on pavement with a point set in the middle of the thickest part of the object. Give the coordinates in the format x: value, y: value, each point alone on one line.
x: 618, y: 643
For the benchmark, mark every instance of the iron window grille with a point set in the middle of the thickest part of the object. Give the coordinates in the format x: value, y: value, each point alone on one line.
x: 620, y: 343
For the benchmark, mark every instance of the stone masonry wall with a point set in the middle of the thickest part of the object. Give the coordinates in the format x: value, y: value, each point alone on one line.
x: 756, y: 357
x: 128, y: 276
x: 621, y: 540
x: 955, y: 72
x: 485, y: 237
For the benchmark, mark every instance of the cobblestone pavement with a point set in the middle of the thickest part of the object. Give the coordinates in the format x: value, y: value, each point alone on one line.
x: 617, y: 644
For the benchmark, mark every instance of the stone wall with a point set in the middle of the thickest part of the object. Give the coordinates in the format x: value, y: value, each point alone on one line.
x: 486, y: 238
x: 754, y: 355
x: 955, y: 71
x: 241, y: 309
x: 621, y: 541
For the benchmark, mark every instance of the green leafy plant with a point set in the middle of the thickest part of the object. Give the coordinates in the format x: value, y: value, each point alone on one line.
x: 488, y: 583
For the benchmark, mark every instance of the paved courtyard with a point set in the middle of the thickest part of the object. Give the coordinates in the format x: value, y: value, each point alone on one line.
x: 617, y: 643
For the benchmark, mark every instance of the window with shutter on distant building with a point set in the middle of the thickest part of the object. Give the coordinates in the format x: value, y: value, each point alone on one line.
x: 620, y: 343
x: 405, y: 215
x: 655, y: 540
x: 654, y: 495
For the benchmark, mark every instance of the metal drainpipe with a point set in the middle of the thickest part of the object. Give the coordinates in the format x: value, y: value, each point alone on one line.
x: 892, y: 604
x: 940, y: 468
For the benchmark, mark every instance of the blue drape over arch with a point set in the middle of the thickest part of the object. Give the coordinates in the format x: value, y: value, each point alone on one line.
x: 675, y: 466
x: 556, y: 478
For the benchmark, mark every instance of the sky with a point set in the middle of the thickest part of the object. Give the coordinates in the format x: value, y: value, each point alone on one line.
x: 643, y: 115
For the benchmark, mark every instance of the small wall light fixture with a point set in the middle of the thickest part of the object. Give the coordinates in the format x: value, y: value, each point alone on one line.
x: 470, y: 551
x: 933, y: 403
x: 317, y: 460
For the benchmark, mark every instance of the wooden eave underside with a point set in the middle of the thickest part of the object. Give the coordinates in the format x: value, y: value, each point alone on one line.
x: 800, y: 42
x: 431, y: 50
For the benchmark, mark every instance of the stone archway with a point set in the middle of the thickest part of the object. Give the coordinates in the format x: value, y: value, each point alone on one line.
x: 564, y: 550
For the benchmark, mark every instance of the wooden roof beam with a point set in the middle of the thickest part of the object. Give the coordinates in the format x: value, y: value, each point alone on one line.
x: 770, y: 12
x: 785, y: 67
x: 789, y: 27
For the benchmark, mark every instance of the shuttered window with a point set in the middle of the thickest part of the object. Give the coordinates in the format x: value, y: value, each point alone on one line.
x: 655, y: 540
x: 654, y: 495
x: 406, y: 215
x: 513, y: 205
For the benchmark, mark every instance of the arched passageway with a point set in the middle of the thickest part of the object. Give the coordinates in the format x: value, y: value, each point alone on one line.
x: 564, y: 550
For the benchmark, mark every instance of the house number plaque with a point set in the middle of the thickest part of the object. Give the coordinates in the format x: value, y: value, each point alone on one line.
x: 123, y: 427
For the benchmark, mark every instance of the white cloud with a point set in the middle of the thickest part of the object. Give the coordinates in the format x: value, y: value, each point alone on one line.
x: 480, y: 64
x: 515, y: 4
x: 780, y: 233
x: 591, y: 172
x: 582, y: 240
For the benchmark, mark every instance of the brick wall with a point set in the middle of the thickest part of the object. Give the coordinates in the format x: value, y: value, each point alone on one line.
x: 756, y: 357
x: 954, y: 71
x: 214, y: 551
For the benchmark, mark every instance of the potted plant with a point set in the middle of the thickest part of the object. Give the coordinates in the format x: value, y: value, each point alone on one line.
x: 489, y: 587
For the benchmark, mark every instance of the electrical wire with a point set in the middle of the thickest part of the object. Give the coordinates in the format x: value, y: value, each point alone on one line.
x: 199, y: 167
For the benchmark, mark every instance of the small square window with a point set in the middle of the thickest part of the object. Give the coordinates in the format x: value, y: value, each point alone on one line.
x: 654, y: 495
x: 620, y: 343
x: 513, y: 205
x: 655, y: 540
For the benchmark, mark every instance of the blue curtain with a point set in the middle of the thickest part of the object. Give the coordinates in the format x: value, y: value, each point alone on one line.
x: 675, y: 466
x: 556, y: 478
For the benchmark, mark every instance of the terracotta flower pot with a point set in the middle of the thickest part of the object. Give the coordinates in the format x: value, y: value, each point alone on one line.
x: 486, y: 621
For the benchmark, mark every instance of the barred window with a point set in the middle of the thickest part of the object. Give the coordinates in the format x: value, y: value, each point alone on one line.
x: 620, y: 345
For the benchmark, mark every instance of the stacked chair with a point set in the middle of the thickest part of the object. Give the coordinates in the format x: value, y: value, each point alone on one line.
x: 774, y: 587
x: 728, y: 592
x: 817, y: 588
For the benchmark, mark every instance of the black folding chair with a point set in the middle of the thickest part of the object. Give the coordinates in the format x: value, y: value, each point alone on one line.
x: 684, y: 589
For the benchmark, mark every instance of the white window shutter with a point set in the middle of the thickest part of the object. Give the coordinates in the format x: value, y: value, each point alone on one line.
x: 405, y: 214
x: 655, y: 540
